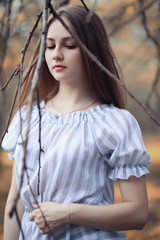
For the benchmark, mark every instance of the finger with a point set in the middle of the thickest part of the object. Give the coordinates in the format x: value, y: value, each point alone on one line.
x: 40, y: 224
x: 45, y: 231
x: 36, y: 206
x: 34, y: 215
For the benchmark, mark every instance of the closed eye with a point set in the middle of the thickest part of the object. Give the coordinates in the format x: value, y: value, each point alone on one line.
x: 71, y: 46
x: 67, y: 46
x: 50, y: 47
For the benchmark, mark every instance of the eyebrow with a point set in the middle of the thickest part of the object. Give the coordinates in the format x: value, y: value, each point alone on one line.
x: 63, y: 39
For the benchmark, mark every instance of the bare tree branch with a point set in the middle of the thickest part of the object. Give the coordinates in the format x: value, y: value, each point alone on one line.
x: 29, y: 105
x: 14, y: 211
x: 14, y: 101
x: 36, y: 73
x: 131, y: 19
x: 17, y: 70
x: 85, y: 6
x: 153, y: 88
x: 145, y: 24
x: 23, y: 52
x: 4, y: 34
x: 39, y: 140
x: 157, y: 45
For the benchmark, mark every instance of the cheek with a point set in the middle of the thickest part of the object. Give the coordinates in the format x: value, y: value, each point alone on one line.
x: 77, y: 58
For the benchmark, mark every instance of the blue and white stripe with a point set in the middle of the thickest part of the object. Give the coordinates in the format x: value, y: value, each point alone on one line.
x: 83, y: 153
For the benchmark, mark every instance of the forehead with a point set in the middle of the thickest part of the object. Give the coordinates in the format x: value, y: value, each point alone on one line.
x: 57, y: 30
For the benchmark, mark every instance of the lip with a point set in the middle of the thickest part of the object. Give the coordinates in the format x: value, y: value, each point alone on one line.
x: 59, y: 67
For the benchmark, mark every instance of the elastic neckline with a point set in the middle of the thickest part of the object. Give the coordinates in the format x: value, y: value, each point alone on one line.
x: 76, y: 117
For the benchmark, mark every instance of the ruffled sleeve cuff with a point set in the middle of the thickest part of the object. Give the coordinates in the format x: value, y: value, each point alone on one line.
x: 11, y: 155
x: 129, y: 156
x: 11, y: 137
x: 124, y: 172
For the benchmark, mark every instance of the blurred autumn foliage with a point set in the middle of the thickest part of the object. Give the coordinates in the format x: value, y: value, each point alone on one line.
x: 133, y: 27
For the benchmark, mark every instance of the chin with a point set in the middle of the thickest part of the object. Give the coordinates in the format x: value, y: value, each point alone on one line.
x: 66, y: 80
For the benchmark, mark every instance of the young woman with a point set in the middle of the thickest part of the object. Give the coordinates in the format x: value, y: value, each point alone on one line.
x: 88, y: 141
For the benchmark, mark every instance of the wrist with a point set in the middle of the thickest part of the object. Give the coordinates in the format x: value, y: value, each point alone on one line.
x: 66, y: 213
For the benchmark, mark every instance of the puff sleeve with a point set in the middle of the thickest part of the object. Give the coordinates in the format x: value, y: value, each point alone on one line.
x: 119, y: 141
x: 129, y: 156
x: 11, y: 137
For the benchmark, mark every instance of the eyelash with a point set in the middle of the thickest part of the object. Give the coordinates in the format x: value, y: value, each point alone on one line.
x: 69, y: 47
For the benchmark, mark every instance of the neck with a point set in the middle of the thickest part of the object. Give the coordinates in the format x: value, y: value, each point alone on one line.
x: 71, y: 97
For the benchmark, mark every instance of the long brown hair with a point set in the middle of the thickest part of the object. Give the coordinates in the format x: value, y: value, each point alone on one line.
x: 93, y: 35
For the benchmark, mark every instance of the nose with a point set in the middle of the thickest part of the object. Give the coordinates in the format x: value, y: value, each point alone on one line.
x: 57, y: 54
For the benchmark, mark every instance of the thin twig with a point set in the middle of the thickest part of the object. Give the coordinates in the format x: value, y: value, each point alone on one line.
x: 85, y: 6
x: 37, y: 70
x: 10, y: 116
x: 154, y: 85
x: 28, y: 72
x: 157, y: 45
x: 14, y: 211
x: 132, y: 18
x: 35, y: 81
x: 40, y: 143
x: 35, y: 78
x: 145, y: 25
x: 17, y: 69
x: 90, y: 13
x: 24, y: 50
x: 14, y: 102
x: 12, y: 75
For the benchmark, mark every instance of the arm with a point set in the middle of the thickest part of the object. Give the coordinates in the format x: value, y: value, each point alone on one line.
x: 11, y: 228
x: 132, y: 213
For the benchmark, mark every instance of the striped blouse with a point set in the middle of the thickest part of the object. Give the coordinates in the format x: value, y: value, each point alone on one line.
x: 83, y: 153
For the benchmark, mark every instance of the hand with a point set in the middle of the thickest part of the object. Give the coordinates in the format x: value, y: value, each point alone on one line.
x: 49, y: 216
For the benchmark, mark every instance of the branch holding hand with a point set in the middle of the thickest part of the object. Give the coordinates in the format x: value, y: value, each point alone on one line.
x: 50, y: 215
